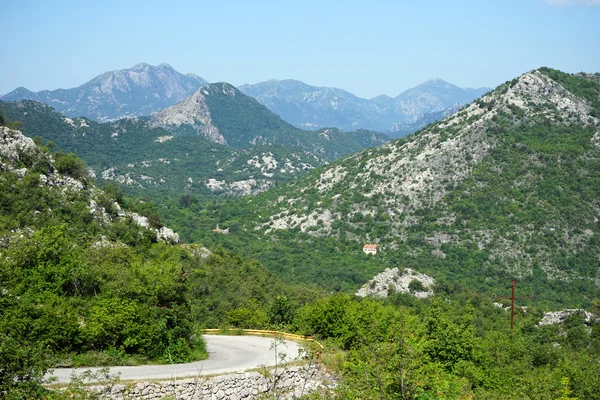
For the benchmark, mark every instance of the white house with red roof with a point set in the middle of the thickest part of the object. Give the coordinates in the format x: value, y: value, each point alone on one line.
x: 370, y: 248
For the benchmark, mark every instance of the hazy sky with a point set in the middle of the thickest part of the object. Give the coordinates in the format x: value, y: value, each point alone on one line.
x: 366, y: 47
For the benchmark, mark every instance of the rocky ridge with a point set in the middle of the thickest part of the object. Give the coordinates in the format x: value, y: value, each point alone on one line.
x: 16, y: 147
x: 414, y: 183
x: 417, y: 172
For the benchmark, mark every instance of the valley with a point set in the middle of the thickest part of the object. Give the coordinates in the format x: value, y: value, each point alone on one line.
x: 241, y: 147
x: 120, y: 241
x: 493, y: 192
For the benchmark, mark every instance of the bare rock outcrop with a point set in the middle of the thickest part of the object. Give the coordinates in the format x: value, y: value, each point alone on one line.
x: 398, y: 281
x: 13, y: 144
x: 556, y: 317
x: 192, y: 111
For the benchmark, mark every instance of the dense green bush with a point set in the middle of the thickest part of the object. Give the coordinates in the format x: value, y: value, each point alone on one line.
x: 69, y: 164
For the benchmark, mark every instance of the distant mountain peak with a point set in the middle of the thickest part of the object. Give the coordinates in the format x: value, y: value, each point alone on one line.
x: 315, y: 107
x: 22, y: 93
x: 140, y: 90
x: 435, y: 80
x: 140, y: 65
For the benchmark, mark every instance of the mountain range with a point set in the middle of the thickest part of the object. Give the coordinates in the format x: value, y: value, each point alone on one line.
x: 145, y: 89
x: 140, y: 90
x: 219, y: 139
x: 507, y: 186
x: 312, y: 107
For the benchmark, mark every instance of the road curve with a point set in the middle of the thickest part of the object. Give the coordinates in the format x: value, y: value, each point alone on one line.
x: 225, y: 354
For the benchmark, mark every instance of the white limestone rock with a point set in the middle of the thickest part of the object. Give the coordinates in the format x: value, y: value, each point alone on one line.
x: 393, y: 279
x: 13, y: 143
x: 556, y: 317
x: 240, y: 188
x: 167, y: 235
x: 192, y: 111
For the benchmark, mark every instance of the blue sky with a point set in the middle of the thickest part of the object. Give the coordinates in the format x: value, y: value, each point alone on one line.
x: 365, y: 47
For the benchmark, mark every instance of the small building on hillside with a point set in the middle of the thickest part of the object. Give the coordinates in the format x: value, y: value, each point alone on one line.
x: 370, y: 248
x: 221, y: 231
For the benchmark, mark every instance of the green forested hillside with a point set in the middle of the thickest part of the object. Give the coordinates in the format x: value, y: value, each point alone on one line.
x: 507, y: 187
x: 85, y: 282
x: 455, y: 346
x: 243, y: 121
x: 80, y: 281
x: 154, y: 162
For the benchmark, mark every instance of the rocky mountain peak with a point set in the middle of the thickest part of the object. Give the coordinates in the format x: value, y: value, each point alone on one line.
x: 194, y: 112
x: 140, y: 90
x: 536, y: 93
x: 139, y: 66
x: 220, y: 88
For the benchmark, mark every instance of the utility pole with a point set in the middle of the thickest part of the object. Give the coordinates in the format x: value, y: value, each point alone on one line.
x: 512, y: 302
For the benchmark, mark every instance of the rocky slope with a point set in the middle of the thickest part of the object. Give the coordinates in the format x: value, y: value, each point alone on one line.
x: 148, y: 161
x: 193, y: 112
x: 311, y: 107
x: 224, y: 115
x: 22, y: 161
x: 140, y: 90
x: 508, y: 186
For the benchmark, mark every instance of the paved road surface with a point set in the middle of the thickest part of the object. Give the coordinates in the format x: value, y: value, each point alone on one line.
x: 225, y: 354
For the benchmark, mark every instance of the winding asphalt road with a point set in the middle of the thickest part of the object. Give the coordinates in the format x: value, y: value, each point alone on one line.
x: 226, y: 354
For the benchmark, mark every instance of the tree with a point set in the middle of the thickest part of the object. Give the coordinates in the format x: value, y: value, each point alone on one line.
x: 16, y: 125
x: 114, y: 190
x: 22, y: 367
x: 155, y: 221
x: 281, y: 311
x: 416, y: 286
x: 448, y: 342
x: 185, y: 200
x: 69, y: 164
